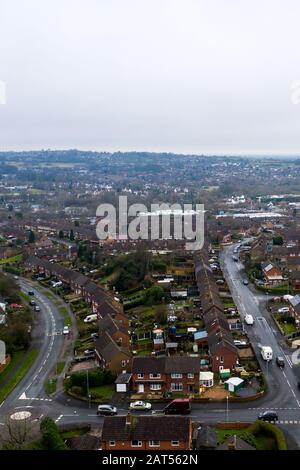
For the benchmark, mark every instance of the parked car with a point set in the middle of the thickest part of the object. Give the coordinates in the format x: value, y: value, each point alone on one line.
x: 140, y: 405
x: 107, y: 410
x: 270, y: 416
x: 57, y: 284
x: 66, y: 330
x: 238, y: 342
x: 37, y: 308
x: 235, y: 258
x: 245, y: 282
x: 94, y: 335
x: 178, y: 406
x: 280, y: 361
x: 91, y: 318
x: 89, y: 352
x: 32, y: 303
x: 298, y: 384
x: 283, y: 310
x: 30, y: 292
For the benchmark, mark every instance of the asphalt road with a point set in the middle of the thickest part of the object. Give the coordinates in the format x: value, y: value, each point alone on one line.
x: 47, y: 337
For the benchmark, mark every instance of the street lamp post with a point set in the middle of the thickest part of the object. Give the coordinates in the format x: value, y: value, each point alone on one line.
x: 88, y: 388
x: 227, y: 408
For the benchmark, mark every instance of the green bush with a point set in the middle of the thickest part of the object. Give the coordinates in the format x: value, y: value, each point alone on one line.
x: 96, y: 378
x: 50, y: 435
x: 261, y: 427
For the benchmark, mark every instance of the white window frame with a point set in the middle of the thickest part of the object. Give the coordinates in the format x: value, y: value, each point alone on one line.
x: 158, y: 376
x: 112, y: 443
x: 176, y: 376
x: 139, y: 443
x: 175, y: 443
x: 123, y: 363
x: 191, y: 376
x: 154, y: 445
x: 140, y: 376
x: 155, y: 386
x: 176, y: 387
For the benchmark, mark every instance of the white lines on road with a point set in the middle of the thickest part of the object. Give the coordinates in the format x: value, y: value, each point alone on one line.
x: 24, y: 397
x: 59, y: 418
x: 274, y: 408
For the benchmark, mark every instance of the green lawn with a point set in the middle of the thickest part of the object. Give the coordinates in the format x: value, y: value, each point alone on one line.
x: 50, y: 386
x: 104, y: 392
x: 29, y: 358
x: 66, y: 316
x: 24, y: 296
x: 12, y: 259
x: 17, y: 356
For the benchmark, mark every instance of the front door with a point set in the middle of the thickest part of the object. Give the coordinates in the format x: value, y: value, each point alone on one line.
x: 141, y: 388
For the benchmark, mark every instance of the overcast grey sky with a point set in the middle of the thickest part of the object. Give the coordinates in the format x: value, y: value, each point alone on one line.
x: 187, y: 76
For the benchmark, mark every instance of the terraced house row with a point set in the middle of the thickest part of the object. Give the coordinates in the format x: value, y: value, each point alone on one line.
x: 222, y: 350
x: 100, y: 300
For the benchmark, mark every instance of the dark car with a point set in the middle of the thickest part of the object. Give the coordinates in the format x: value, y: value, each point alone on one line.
x: 107, y: 410
x: 270, y: 416
x: 30, y: 292
x: 298, y: 385
x: 178, y: 407
x: 235, y: 258
x: 32, y: 302
x: 280, y: 361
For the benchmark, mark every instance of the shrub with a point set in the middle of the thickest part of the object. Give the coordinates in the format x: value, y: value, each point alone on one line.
x: 50, y: 435
x: 261, y: 427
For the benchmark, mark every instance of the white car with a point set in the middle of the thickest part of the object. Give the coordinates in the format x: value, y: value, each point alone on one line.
x: 238, y: 343
x: 283, y: 310
x: 57, y: 284
x: 140, y: 405
x: 66, y: 330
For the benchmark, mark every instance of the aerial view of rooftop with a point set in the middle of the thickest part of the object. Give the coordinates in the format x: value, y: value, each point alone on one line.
x: 149, y: 230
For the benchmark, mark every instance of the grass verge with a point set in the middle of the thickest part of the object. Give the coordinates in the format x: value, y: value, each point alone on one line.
x: 20, y: 372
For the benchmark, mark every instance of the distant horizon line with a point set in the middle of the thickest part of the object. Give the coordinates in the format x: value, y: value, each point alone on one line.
x: 156, y: 152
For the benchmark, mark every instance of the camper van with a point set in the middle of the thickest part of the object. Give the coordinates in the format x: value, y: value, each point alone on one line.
x: 249, y: 319
x: 267, y: 353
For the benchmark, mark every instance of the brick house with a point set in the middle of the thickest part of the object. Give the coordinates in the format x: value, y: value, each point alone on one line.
x: 272, y: 274
x: 116, y: 329
x: 294, y: 308
x: 110, y: 355
x: 165, y: 374
x: 295, y: 279
x: 222, y: 350
x: 157, y: 433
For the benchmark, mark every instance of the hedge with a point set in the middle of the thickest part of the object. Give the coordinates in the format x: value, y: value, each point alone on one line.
x: 262, y: 427
x: 51, y: 437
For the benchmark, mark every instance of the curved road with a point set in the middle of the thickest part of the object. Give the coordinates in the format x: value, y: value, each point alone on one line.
x: 47, y: 337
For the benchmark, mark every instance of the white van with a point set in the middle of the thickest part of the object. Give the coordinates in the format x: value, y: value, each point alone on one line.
x: 249, y: 319
x: 91, y: 318
x: 267, y: 353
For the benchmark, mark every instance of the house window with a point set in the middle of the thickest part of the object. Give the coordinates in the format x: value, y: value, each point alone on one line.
x: 191, y: 376
x: 136, y: 443
x: 174, y: 443
x: 140, y: 376
x: 154, y: 443
x: 222, y: 359
x: 112, y: 443
x: 123, y: 363
x: 154, y: 376
x: 175, y: 387
x: 155, y: 387
x: 176, y: 376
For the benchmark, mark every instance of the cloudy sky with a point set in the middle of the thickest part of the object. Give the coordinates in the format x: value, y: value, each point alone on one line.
x: 187, y: 76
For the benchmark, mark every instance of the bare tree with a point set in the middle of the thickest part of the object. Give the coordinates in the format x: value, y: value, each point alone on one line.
x: 16, y: 432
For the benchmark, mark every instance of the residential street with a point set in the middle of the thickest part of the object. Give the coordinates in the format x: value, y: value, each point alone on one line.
x: 283, y: 394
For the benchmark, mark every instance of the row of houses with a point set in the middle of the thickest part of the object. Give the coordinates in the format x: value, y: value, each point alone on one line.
x: 98, y: 298
x: 222, y: 350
